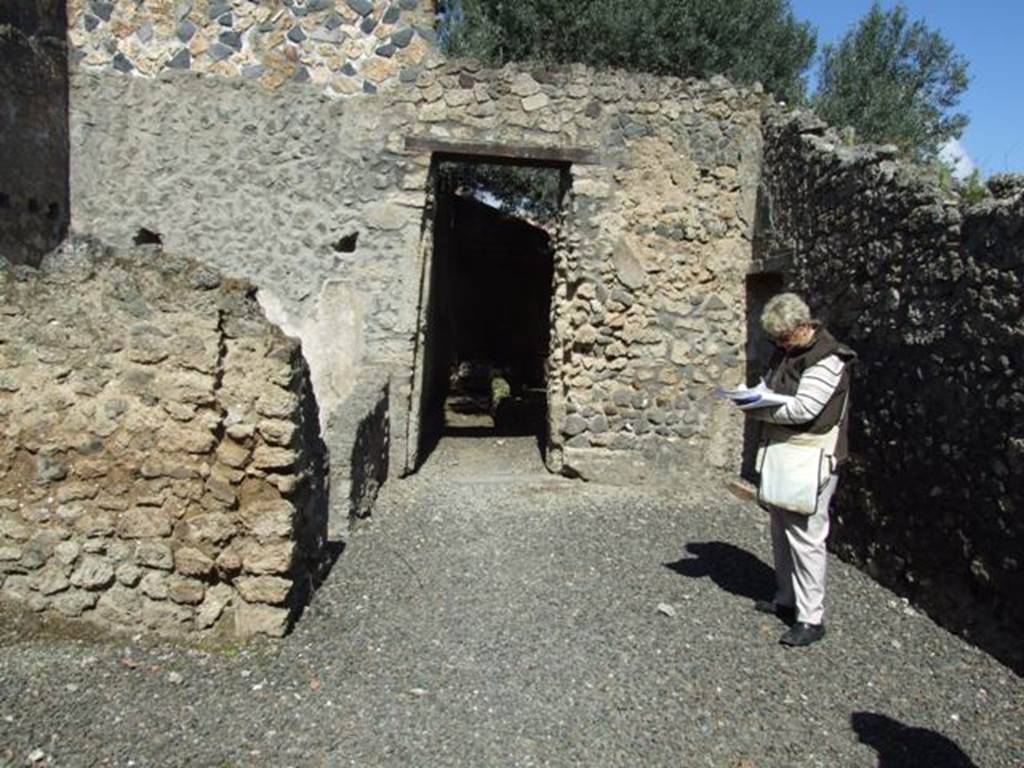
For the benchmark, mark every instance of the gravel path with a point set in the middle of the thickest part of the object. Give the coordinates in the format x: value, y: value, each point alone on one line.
x: 494, y: 615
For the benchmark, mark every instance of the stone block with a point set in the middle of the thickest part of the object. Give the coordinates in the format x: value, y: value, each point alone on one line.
x: 190, y: 561
x: 39, y: 549
x: 178, y: 437
x: 165, y: 616
x: 229, y: 562
x: 77, y: 492
x: 128, y: 574
x: 573, y: 425
x: 217, y: 598
x: 184, y: 590
x: 277, y: 432
x: 272, y: 458
x: 270, y: 559
x: 154, y: 585
x: 93, y: 573
x: 536, y: 102
x: 628, y: 266
x: 13, y: 529
x: 524, y: 85
x: 240, y: 431
x: 154, y: 554
x: 232, y: 454
x: 435, y: 112
x: 221, y: 491
x: 277, y: 403
x: 260, y: 620
x: 16, y: 587
x: 49, y: 581
x: 75, y: 602
x: 269, y: 519
x: 95, y: 523
x: 143, y: 522
x: 210, y: 527
x: 264, y: 589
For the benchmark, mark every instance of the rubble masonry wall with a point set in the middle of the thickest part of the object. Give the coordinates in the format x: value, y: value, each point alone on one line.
x: 159, y: 460
x: 265, y: 183
x: 927, y: 288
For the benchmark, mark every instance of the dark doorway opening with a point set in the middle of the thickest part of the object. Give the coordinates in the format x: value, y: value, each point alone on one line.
x: 761, y: 286
x: 487, y: 331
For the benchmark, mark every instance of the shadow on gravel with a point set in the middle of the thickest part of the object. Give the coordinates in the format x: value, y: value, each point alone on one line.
x: 307, y: 591
x: 904, y: 746
x: 731, y: 568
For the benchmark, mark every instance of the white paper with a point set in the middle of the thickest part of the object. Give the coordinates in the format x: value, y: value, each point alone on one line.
x: 747, y: 399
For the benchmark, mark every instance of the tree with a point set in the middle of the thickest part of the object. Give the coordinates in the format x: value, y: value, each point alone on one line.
x: 746, y: 40
x: 531, y: 192
x: 894, y: 82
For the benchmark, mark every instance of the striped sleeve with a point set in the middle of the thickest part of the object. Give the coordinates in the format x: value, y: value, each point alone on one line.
x: 817, y: 385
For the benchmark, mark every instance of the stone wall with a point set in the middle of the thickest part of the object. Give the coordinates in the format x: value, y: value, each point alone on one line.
x: 928, y: 290
x: 159, y: 460
x: 33, y: 129
x: 320, y: 204
x: 650, y: 296
x: 359, y: 433
x: 340, y: 46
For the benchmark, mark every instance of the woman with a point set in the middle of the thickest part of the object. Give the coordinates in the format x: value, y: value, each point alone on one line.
x: 812, y: 369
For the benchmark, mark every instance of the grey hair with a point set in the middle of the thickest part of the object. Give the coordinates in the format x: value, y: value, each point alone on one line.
x: 784, y: 313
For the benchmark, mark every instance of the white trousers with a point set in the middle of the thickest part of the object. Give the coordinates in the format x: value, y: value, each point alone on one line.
x: 798, y: 546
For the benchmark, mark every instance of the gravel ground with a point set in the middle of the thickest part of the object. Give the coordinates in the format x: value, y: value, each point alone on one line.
x: 490, y: 614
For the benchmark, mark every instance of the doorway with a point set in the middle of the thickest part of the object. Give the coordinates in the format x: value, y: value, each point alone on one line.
x: 486, y: 304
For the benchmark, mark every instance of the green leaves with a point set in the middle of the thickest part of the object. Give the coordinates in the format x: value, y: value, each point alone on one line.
x: 533, y: 192
x: 894, y: 82
x: 745, y: 40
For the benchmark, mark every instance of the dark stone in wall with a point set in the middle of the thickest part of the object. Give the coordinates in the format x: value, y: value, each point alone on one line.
x: 34, y: 133
x: 402, y: 37
x: 186, y: 30
x: 929, y: 293
x: 362, y: 7
x: 181, y: 60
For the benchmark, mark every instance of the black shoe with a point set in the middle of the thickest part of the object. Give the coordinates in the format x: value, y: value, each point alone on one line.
x: 801, y: 634
x: 784, y: 612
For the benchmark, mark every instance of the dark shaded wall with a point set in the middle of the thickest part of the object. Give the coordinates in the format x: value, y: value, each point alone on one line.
x: 928, y: 291
x: 33, y: 128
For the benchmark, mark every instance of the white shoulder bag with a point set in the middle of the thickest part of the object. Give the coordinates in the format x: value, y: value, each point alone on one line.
x: 794, y: 469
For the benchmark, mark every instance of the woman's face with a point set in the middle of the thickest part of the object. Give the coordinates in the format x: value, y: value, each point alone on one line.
x: 800, y: 336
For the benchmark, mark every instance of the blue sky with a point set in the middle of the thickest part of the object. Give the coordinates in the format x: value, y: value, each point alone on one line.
x: 990, y: 35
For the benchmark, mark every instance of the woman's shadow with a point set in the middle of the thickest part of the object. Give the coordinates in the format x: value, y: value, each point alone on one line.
x: 904, y: 746
x: 731, y: 568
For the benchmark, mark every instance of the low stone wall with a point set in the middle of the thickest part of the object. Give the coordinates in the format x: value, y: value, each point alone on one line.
x: 928, y: 290
x: 341, y: 46
x: 33, y: 129
x: 357, y: 438
x: 160, y: 460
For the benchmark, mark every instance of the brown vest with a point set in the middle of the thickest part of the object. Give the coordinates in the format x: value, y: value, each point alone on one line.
x: 785, y: 371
